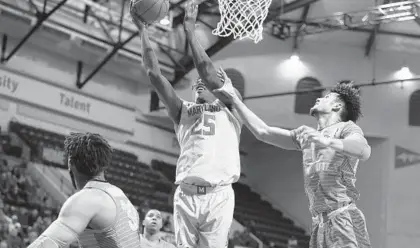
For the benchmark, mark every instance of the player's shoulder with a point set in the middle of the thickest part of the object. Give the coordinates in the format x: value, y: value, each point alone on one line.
x: 84, y: 200
x: 87, y: 197
x: 351, y: 124
x: 351, y: 127
x: 113, y: 190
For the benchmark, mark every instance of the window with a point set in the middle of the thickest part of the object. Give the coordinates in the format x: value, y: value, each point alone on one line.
x: 414, y: 109
x: 304, y: 101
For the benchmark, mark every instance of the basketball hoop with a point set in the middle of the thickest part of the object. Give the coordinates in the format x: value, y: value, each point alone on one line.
x: 242, y: 18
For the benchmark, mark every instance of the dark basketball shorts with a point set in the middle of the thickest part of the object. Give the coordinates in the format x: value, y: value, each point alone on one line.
x: 343, y: 228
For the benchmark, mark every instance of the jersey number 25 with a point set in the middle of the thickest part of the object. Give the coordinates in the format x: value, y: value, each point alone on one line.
x: 206, y: 125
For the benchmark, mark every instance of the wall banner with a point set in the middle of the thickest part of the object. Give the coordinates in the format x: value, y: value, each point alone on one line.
x: 64, y: 101
x: 405, y: 157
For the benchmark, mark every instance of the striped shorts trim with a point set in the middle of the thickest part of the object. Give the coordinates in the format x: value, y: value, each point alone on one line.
x: 346, y: 229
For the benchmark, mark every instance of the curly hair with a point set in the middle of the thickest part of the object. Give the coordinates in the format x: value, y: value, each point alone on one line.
x: 350, y: 95
x: 89, y: 153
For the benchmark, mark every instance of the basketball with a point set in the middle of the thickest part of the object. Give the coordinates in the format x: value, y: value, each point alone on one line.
x: 149, y: 11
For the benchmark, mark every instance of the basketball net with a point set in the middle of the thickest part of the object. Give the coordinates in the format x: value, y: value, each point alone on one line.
x: 242, y: 18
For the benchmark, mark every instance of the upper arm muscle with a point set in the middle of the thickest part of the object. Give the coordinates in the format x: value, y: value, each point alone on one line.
x: 168, y: 95
x: 74, y: 217
x: 78, y: 211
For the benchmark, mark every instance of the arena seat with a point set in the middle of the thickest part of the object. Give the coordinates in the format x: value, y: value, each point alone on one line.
x: 26, y: 207
x: 136, y: 179
x: 266, y: 222
x: 154, y: 185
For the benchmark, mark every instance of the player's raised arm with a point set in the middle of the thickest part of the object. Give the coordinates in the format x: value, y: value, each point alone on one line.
x: 162, y: 86
x: 203, y: 63
x: 73, y: 219
x: 272, y: 135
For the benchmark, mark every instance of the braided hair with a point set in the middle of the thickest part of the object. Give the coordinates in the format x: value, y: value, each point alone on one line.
x: 89, y: 153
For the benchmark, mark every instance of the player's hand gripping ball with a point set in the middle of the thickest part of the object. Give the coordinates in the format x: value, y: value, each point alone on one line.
x: 149, y: 11
x: 190, y: 18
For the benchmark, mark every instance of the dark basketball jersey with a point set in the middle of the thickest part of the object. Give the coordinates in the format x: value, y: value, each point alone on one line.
x: 125, y: 230
x: 329, y: 175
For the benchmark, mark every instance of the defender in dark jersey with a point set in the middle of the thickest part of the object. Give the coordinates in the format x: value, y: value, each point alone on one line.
x: 99, y: 214
x: 331, y: 154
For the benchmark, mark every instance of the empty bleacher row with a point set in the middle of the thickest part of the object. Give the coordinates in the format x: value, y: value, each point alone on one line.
x: 154, y: 186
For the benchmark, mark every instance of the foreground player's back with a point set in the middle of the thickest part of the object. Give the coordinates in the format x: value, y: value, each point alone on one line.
x: 123, y: 232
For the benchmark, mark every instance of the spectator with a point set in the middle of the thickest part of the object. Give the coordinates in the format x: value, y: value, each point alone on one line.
x: 4, y: 181
x: 32, y: 236
x: 22, y: 181
x: 47, y: 221
x: 3, y: 244
x: 242, y: 239
x: 48, y: 202
x: 19, y: 226
x: 23, y: 217
x: 22, y: 195
x: 151, y: 238
x: 13, y: 239
x: 235, y: 240
x: 12, y: 193
x: 15, y: 220
x: 292, y: 242
x: 5, y: 164
x: 39, y: 225
x: 32, y: 217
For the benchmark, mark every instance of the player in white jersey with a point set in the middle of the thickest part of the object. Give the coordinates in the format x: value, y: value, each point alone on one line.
x: 151, y: 237
x: 208, y: 131
x: 331, y: 154
x: 99, y: 214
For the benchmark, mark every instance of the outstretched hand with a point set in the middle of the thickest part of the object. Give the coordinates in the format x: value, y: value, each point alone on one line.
x: 310, y: 135
x: 190, y: 17
x: 227, y: 89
